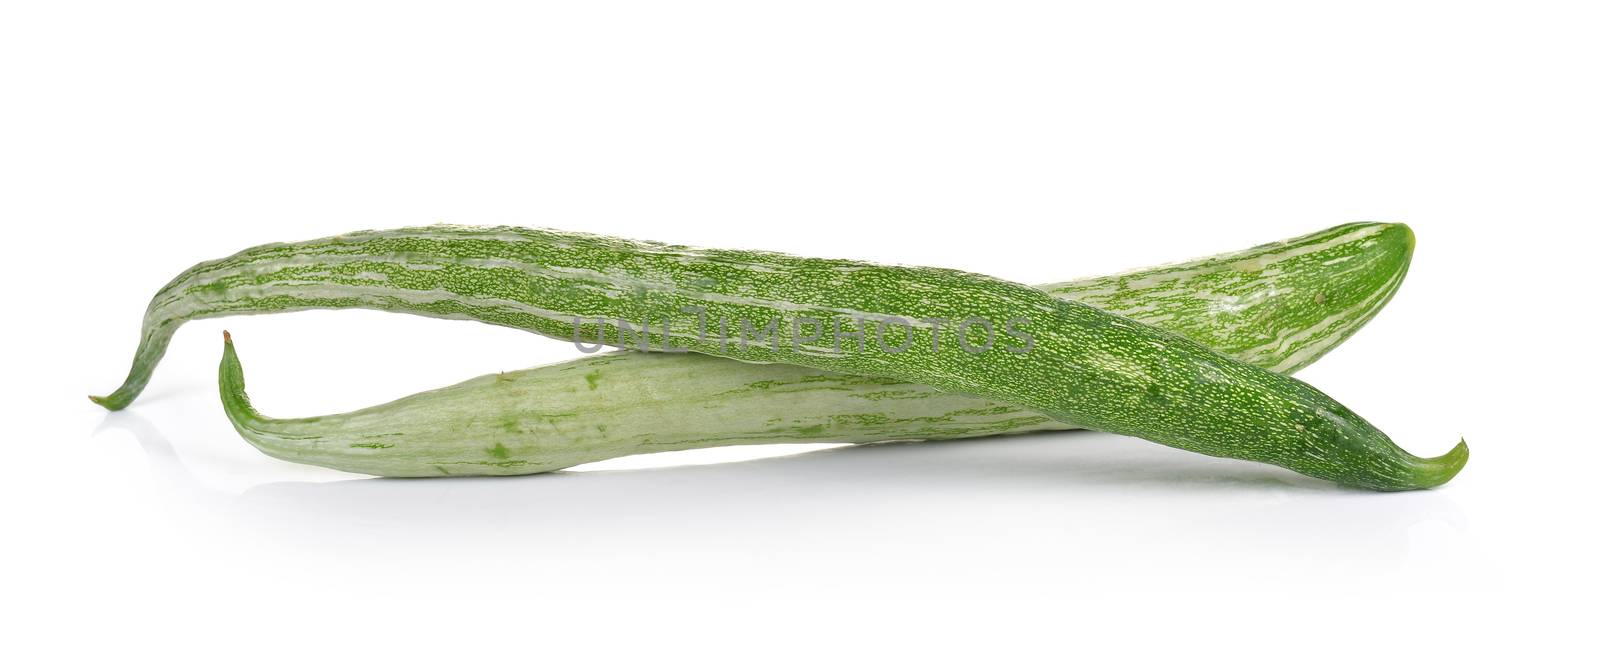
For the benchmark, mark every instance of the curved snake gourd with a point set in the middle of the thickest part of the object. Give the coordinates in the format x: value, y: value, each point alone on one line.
x: 1079, y: 365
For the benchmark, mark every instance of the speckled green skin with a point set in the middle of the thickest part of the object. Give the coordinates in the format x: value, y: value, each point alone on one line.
x: 1086, y: 367
x: 1280, y: 315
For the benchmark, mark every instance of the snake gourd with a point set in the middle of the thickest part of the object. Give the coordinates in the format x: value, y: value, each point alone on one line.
x: 1279, y: 306
x: 1080, y: 365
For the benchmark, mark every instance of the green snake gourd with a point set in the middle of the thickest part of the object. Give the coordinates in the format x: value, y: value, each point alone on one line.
x: 1279, y: 306
x: 1082, y: 366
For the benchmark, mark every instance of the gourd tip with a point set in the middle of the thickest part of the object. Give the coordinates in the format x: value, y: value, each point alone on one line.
x: 1439, y: 470
x: 113, y: 402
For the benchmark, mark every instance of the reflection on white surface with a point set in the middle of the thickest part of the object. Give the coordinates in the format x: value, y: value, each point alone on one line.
x: 1044, y: 512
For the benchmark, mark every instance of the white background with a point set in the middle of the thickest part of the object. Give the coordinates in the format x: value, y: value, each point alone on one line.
x: 1035, y: 142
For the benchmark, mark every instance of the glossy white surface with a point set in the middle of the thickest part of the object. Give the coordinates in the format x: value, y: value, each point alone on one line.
x: 1032, y: 142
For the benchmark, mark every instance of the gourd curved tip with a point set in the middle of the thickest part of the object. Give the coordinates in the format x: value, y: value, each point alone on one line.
x: 112, y: 402
x: 230, y: 358
x: 1439, y: 470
